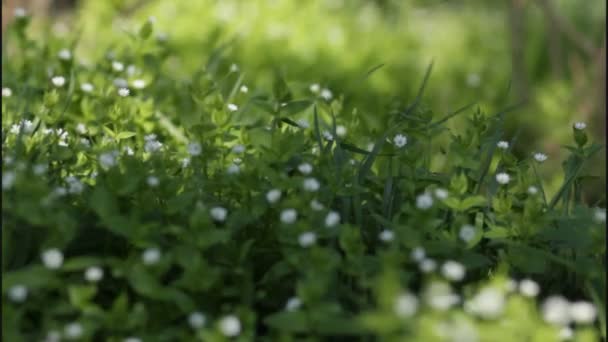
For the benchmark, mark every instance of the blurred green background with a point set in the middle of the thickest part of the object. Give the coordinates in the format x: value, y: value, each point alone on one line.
x: 551, y: 52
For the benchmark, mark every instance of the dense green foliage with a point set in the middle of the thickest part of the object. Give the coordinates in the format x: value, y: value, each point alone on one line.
x: 151, y: 195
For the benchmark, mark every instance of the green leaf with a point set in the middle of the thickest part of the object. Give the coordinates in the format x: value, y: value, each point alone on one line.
x: 145, y: 30
x: 294, y: 107
x: 125, y: 135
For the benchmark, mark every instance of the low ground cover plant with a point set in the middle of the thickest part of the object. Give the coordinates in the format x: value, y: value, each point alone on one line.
x: 142, y: 206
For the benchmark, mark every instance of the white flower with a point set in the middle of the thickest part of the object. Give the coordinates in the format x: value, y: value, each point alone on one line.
x: 328, y: 136
x: 93, y: 274
x: 196, y: 320
x: 583, y: 312
x: 185, y: 162
x: 599, y: 215
x: 152, y: 145
x: 503, y: 145
x: 52, y: 258
x: 81, y: 128
x: 107, y: 159
x: 540, y: 157
x: 39, y: 169
x: 453, y: 270
x: 289, y: 216
x: 238, y: 149
x: 151, y: 256
x: 58, y: 81
x: 120, y: 83
x: 73, y: 331
x: 218, y: 213
x: 52, y: 336
x: 129, y: 150
x: 316, y: 205
x: 400, y: 140
x: 19, y: 12
x: 303, y: 123
x: 75, y: 186
x: 230, y: 326
x: 293, y: 304
x: 326, y: 94
x: 244, y: 89
x: 305, y: 168
x: 580, y: 126
x: 153, y: 181
x: 59, y: 191
x: 307, y: 239
x: 340, y: 130
x: 439, y: 296
x: 488, y: 303
x: 6, y: 92
x: 532, y: 190
x: 314, y: 88
x: 556, y: 310
x: 234, y: 68
x: 332, y: 219
x: 273, y: 195
x: 405, y: 305
x: 467, y: 233
x: 118, y: 66
x: 386, y: 235
x: 194, y: 149
x: 424, y: 201
x: 503, y: 178
x: 566, y: 333
x: 124, y: 92
x: 139, y: 84
x: 17, y: 293
x: 131, y: 70
x: 529, y: 288
x: 418, y: 253
x: 64, y: 54
x: 441, y: 193
x: 132, y: 339
x: 427, y: 265
x: 311, y: 184
x: 232, y: 107
x: 8, y: 179
x: 233, y: 169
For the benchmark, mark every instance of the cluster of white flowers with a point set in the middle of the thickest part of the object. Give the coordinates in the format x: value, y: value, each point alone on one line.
x: 8, y: 179
x: 307, y: 239
x: 488, y: 303
x: 467, y: 233
x: 503, y: 178
x: 118, y: 66
x: 580, y: 126
x: 93, y: 274
x: 326, y: 94
x: 238, y: 149
x: 123, y: 92
x: 540, y: 157
x: 7, y: 92
x: 303, y: 123
x: 557, y: 310
x: 532, y: 190
x: 529, y: 288
x: 75, y: 186
x: 406, y: 305
x: 400, y: 140
x: 386, y: 235
x: 503, y: 145
x: 196, y: 320
x: 151, y: 256
x: 332, y: 219
x: 327, y: 135
x: 58, y: 81
x: 19, y: 12
x: 18, y: 293
x: 73, y: 331
x: 25, y: 126
x: 289, y: 216
x: 599, y: 215
x: 52, y: 258
x: 244, y: 89
x: 424, y: 201
x: 132, y: 339
x: 153, y: 181
x: 233, y: 169
x: 232, y: 107
x: 108, y: 159
x: 120, y: 83
x: 273, y: 195
x: 230, y: 326
x: 293, y: 304
x: 418, y: 254
x: 151, y: 144
x: 453, y: 270
x: 311, y: 184
x: 340, y: 130
x: 316, y: 205
x: 441, y: 193
x: 315, y: 88
x: 139, y: 84
x: 87, y: 87
x: 64, y: 54
x: 439, y: 296
x: 219, y: 213
x: 427, y: 265
x: 305, y: 168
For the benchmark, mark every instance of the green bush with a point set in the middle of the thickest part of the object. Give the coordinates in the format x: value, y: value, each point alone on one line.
x: 144, y: 204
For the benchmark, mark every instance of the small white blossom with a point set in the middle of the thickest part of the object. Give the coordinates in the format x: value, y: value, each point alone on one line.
x: 19, y: 12
x: 503, y: 178
x: 529, y: 288
x: 118, y: 66
x: 489, y: 303
x: 583, y: 312
x: 131, y: 70
x: 52, y: 336
x: 599, y: 215
x: 441, y: 193
x: 233, y: 169
x: 234, y: 68
x: 439, y: 296
x: 532, y: 190
x: 129, y: 151
x: 107, y: 159
x: 556, y: 310
x: 467, y: 233
x: 153, y: 181
x: 238, y: 149
x: 58, y: 81
x: 580, y: 125
x: 427, y: 265
x: 132, y: 339
x: 124, y: 92
x: 386, y: 235
x: 418, y: 253
x: 311, y: 184
x: 406, y: 305
x: 86, y: 87
x: 303, y: 123
x: 194, y: 149
x: 8, y: 179
x: 73, y: 331
x: 219, y: 213
x: 453, y: 270
x: 151, y: 256
x: 232, y: 107
x: 305, y: 168
x: 244, y: 89
x: 196, y: 320
x: 289, y: 216
x: 340, y: 130
x: 93, y: 274
x: 326, y: 94
x: 424, y: 201
x: 139, y: 84
x: 52, y: 258
x: 328, y: 136
x: 120, y: 83
x: 315, y: 88
x: 185, y: 162
x: 75, y: 186
x: 273, y: 195
x: 332, y: 219
x: 566, y: 333
x: 307, y: 239
x: 81, y: 128
x: 540, y: 157
x: 316, y: 205
x: 152, y: 145
x: 237, y: 160
x: 400, y: 140
x: 293, y: 304
x: 7, y: 92
x: 230, y: 326
x: 18, y: 293
x: 503, y: 145
x: 64, y: 54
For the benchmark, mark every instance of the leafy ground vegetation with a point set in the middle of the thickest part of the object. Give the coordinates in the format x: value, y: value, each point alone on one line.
x: 139, y: 205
